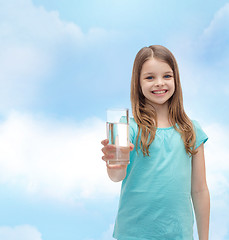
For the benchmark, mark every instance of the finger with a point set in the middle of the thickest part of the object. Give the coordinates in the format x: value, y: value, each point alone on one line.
x: 111, y: 147
x: 104, y: 158
x: 107, y: 157
x: 104, y: 150
x: 105, y: 142
x: 108, y: 149
x: 131, y: 146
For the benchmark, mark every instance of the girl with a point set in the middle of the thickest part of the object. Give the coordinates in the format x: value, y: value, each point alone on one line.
x: 166, y: 173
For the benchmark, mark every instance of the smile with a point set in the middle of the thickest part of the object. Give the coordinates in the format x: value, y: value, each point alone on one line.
x: 159, y: 92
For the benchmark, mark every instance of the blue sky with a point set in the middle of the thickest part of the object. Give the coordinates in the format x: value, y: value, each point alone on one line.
x: 62, y: 63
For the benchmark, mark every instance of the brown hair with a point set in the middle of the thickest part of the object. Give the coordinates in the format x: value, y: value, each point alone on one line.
x: 146, y: 118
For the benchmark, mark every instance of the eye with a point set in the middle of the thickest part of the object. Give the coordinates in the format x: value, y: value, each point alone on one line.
x: 168, y: 76
x: 149, y: 78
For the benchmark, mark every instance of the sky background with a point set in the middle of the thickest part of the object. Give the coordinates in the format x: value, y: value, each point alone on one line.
x: 62, y: 63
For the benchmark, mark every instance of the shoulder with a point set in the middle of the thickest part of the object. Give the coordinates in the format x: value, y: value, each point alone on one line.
x: 132, y: 121
x: 201, y: 136
x: 195, y: 124
x: 133, y: 129
x: 133, y: 124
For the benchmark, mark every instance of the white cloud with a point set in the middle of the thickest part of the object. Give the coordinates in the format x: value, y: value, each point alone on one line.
x: 25, y: 23
x: 217, y: 173
x: 33, y: 42
x: 213, y: 43
x: 217, y: 169
x: 217, y: 151
x: 54, y: 159
x: 62, y: 160
x: 106, y: 235
x: 22, y: 232
x: 218, y: 27
x: 21, y: 72
x: 204, y: 59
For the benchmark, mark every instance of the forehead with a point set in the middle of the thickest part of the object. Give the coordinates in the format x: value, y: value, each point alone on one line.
x: 154, y: 65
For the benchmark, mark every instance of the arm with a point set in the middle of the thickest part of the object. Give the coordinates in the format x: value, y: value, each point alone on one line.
x: 200, y: 194
x: 115, y: 172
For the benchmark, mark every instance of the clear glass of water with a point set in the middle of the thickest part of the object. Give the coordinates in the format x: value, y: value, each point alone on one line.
x: 118, y: 135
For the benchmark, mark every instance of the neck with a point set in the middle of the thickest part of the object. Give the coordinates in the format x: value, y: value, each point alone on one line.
x: 162, y: 112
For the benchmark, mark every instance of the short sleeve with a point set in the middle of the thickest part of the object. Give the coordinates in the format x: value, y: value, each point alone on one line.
x: 131, y: 128
x: 201, y: 136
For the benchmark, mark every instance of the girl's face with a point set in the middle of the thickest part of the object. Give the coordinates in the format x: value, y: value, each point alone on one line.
x: 157, y: 82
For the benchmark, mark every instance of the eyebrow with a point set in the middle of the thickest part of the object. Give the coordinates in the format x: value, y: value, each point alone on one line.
x: 150, y: 73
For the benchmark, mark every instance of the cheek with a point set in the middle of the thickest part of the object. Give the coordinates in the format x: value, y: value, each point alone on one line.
x: 144, y: 89
x: 140, y: 91
x: 172, y: 90
x: 172, y: 86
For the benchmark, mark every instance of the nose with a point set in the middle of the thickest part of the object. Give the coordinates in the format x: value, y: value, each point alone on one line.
x: 159, y: 82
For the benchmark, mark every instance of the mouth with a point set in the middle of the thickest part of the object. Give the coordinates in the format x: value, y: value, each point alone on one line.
x: 159, y: 91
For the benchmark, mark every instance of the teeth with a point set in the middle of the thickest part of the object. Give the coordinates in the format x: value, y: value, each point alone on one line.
x: 158, y: 92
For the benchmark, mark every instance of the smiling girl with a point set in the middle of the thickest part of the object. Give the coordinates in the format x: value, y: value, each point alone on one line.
x: 166, y: 175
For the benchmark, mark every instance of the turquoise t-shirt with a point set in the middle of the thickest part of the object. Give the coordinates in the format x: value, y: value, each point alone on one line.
x: 155, y: 200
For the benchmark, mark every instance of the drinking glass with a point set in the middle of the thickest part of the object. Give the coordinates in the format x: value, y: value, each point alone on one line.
x: 118, y: 134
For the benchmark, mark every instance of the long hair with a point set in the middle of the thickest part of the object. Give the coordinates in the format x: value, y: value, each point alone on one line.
x: 145, y: 117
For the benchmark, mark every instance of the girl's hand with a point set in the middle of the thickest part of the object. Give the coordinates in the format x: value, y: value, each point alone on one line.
x: 109, y: 153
